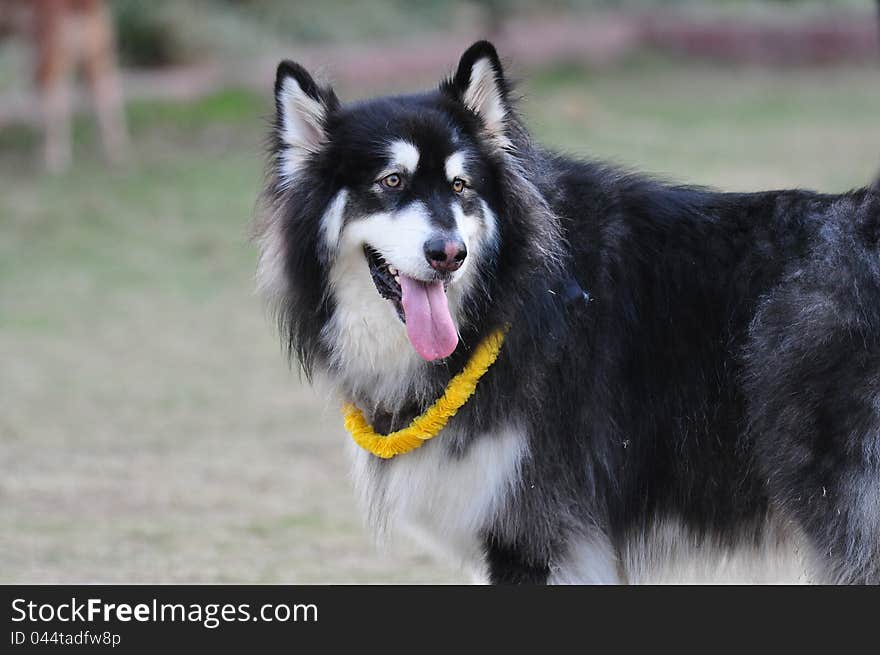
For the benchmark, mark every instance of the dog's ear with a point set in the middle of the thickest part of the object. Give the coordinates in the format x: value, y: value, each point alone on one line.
x: 480, y: 85
x: 302, y: 108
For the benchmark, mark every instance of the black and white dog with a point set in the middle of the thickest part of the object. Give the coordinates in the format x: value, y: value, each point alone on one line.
x: 690, y: 385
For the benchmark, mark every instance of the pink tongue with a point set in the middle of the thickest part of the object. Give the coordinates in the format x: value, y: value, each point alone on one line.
x: 429, y: 325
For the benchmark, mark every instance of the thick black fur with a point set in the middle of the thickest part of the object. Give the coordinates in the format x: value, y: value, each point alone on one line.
x: 675, y: 352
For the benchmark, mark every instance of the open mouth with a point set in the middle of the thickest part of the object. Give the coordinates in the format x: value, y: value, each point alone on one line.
x: 386, y: 279
x: 421, y: 305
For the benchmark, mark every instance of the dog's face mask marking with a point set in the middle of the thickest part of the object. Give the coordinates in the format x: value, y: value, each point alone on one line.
x: 407, y: 195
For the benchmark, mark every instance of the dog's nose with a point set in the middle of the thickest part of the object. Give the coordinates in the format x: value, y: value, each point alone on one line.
x: 445, y: 255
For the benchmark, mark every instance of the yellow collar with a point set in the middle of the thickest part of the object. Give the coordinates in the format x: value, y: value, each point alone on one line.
x: 428, y: 425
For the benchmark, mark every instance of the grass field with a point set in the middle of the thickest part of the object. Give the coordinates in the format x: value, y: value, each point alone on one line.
x: 150, y: 430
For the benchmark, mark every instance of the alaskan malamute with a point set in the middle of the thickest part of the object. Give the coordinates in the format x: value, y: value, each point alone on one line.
x: 689, y: 387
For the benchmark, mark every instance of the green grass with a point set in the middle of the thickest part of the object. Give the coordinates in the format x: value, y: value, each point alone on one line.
x: 737, y: 128
x: 150, y: 430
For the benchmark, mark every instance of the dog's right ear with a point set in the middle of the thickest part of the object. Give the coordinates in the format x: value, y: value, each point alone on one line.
x: 480, y: 85
x: 302, y: 108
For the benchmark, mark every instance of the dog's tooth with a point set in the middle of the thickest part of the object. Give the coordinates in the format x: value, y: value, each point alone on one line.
x: 392, y: 270
x: 397, y: 279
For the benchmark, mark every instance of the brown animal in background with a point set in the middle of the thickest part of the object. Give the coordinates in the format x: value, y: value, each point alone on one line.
x: 67, y: 34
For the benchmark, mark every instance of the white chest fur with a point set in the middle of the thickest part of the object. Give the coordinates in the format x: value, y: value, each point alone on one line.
x: 443, y: 500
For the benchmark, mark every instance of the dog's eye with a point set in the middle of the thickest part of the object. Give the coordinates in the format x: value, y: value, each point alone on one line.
x: 393, y: 181
x: 458, y: 185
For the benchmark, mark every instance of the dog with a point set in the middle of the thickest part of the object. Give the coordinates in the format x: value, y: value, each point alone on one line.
x: 64, y: 35
x: 689, y: 385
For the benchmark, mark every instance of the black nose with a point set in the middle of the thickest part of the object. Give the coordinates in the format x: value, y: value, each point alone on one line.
x: 445, y: 255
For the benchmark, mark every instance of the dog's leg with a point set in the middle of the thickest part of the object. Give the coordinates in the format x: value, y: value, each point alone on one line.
x: 509, y: 565
x: 841, y: 519
x: 814, y: 405
x: 52, y: 43
x: 820, y: 457
x: 816, y: 430
x: 581, y: 560
x: 102, y: 75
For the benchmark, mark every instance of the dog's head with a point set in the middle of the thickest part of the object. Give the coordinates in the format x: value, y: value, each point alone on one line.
x: 383, y: 218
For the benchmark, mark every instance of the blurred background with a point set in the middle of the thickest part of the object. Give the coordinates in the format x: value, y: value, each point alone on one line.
x: 150, y: 429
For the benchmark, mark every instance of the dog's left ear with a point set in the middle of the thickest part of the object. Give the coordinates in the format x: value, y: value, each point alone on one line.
x: 302, y: 108
x: 480, y: 85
